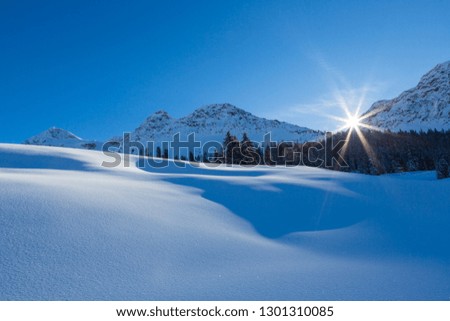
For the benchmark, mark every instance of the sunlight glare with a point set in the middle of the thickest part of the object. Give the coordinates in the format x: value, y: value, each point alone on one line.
x: 352, y: 122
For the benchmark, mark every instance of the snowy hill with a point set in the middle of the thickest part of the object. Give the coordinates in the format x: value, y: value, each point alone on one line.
x: 61, y: 138
x: 71, y: 229
x: 213, y: 121
x: 426, y: 106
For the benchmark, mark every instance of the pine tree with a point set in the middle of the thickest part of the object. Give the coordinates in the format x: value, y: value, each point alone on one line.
x: 268, y: 155
x: 442, y: 170
x: 205, y: 158
x: 231, y: 149
x: 217, y: 158
x: 249, y: 154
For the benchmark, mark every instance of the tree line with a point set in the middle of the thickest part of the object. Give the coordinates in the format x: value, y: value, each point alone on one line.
x: 372, y: 153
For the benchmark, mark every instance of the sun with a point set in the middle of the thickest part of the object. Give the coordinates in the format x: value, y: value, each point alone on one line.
x: 352, y: 122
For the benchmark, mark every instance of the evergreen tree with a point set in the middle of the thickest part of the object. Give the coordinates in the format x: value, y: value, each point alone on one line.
x: 442, y: 170
x: 231, y: 149
x: 249, y: 154
x: 205, y: 157
x: 217, y: 158
x: 268, y: 155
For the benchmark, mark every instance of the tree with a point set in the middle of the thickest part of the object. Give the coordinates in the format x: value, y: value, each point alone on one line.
x: 158, y: 152
x: 269, y: 152
x: 217, y: 158
x: 442, y: 169
x: 231, y: 149
x: 249, y: 154
x: 205, y: 157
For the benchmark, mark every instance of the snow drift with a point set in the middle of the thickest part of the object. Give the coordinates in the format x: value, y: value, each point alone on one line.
x: 71, y: 229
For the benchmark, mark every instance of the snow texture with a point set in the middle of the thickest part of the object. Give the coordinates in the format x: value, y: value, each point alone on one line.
x: 71, y: 229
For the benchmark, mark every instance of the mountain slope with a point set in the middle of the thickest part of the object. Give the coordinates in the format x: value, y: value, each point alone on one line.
x: 426, y: 106
x: 213, y: 121
x: 61, y: 138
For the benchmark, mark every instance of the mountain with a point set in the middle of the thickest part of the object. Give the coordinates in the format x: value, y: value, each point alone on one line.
x: 211, y: 123
x: 61, y: 138
x: 426, y: 106
x: 208, y: 123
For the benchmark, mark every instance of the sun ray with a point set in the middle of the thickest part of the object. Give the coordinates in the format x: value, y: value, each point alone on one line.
x: 347, y: 140
x: 354, y: 122
x: 368, y: 149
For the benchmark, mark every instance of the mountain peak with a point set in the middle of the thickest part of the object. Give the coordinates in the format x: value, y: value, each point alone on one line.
x: 51, y: 134
x: 161, y: 113
x: 219, y: 107
x: 217, y: 111
x: 440, y: 72
x: 445, y: 65
x: 211, y: 122
x: 426, y: 106
x: 159, y: 116
x: 55, y: 136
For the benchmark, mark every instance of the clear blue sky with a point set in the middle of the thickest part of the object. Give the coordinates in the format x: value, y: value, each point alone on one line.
x: 97, y: 67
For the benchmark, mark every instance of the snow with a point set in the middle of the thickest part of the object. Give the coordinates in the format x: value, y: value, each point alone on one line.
x: 426, y: 106
x: 62, y: 138
x: 71, y: 229
x: 208, y: 123
x: 211, y: 123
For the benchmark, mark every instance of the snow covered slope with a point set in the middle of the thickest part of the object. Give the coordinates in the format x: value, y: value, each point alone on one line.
x: 71, y: 229
x: 213, y: 121
x: 426, y: 106
x: 61, y: 138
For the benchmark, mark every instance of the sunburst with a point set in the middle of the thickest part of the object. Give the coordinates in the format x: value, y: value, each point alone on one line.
x: 354, y: 122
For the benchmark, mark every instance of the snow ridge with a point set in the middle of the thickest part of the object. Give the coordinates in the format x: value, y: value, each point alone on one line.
x: 426, y: 106
x: 211, y: 122
x: 208, y: 123
x: 60, y: 138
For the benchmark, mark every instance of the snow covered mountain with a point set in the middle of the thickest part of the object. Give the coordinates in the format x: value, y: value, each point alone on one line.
x: 426, y: 106
x: 209, y: 123
x: 61, y: 138
x: 213, y: 121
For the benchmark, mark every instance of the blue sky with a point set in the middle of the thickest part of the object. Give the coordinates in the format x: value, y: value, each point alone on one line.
x: 97, y: 68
